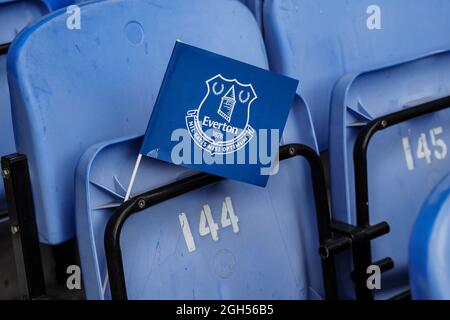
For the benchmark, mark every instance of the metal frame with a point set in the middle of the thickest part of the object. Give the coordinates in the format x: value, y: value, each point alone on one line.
x: 361, y: 181
x: 358, y: 238
x: 149, y: 199
x: 25, y: 237
x: 334, y: 236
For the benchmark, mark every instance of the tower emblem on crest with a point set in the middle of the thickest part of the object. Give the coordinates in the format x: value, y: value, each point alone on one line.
x: 220, y: 124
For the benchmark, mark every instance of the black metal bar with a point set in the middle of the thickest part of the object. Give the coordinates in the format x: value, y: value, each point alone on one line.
x: 362, y: 258
x: 362, y: 143
x: 146, y: 200
x: 349, y: 230
x: 334, y: 246
x: 134, y: 205
x: 323, y: 210
x: 4, y: 47
x: 23, y: 226
x: 385, y: 264
x: 362, y: 254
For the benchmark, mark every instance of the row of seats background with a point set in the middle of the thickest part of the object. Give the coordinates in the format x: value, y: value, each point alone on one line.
x: 80, y: 99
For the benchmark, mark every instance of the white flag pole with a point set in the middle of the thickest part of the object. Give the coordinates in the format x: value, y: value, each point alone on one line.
x: 133, y: 177
x: 127, y: 196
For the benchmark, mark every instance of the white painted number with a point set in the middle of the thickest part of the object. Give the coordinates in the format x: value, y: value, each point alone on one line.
x: 408, y: 153
x: 207, y: 224
x: 423, y: 150
x: 228, y: 216
x: 206, y: 217
x: 187, y: 232
x: 441, y: 148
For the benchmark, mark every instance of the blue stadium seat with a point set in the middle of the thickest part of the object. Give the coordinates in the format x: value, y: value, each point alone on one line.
x: 256, y: 6
x: 405, y: 161
x: 14, y: 16
x: 429, y: 248
x: 77, y: 95
x: 278, y: 221
x: 272, y: 256
x: 17, y: 14
x: 320, y: 41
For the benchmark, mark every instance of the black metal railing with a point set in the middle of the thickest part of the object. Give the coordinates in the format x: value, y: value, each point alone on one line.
x: 27, y: 255
x: 361, y: 179
x: 334, y: 236
x: 170, y: 191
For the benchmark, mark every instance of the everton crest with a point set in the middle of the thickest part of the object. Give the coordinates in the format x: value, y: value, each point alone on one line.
x: 220, y: 125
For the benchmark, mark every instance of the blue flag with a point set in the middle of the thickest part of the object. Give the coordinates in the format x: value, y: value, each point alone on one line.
x: 218, y: 115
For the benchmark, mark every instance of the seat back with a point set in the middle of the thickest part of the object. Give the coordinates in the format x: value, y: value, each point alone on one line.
x: 319, y: 41
x: 405, y: 161
x: 270, y: 252
x: 256, y: 6
x: 429, y: 247
x: 100, y: 82
x: 14, y: 16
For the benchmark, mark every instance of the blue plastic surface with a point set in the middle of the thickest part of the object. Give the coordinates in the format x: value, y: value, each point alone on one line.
x: 259, y: 102
x: 429, y: 247
x: 256, y: 7
x: 396, y: 189
x: 273, y: 256
x: 96, y: 84
x: 14, y: 16
x: 319, y: 41
x: 57, y: 4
